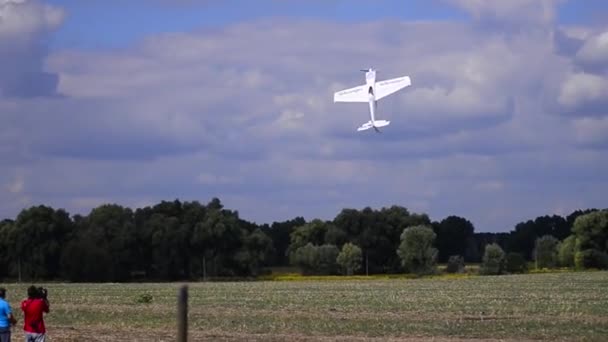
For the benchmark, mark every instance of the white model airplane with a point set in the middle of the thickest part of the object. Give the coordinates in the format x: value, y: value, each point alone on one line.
x: 371, y: 92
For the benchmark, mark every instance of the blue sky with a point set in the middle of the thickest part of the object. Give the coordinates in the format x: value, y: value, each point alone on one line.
x: 154, y: 100
x: 95, y: 23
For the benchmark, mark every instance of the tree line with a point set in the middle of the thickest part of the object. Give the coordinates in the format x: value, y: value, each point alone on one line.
x: 175, y: 240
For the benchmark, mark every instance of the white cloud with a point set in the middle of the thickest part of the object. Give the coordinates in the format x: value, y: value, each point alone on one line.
x: 26, y: 17
x: 520, y: 11
x: 584, y: 92
x: 245, y: 113
x: 24, y: 25
x: 594, y: 52
x: 452, y: 103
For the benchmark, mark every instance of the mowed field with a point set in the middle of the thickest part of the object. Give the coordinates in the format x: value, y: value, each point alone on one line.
x: 547, y: 307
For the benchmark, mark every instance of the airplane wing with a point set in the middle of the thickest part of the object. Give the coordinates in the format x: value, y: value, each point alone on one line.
x: 388, y: 87
x: 355, y: 94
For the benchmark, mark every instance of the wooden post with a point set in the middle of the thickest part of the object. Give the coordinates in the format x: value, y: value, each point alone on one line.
x: 182, y: 314
x: 204, y: 269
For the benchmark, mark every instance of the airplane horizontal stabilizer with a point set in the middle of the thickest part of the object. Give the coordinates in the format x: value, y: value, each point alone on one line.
x: 364, y: 127
x: 381, y: 123
x: 376, y: 124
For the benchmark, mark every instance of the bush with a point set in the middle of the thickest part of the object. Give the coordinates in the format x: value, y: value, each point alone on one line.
x: 307, y: 258
x: 545, y: 252
x: 566, y: 249
x: 350, y: 258
x: 144, y: 298
x: 591, y: 231
x: 515, y: 263
x: 327, y: 259
x: 493, y: 260
x: 591, y: 258
x: 455, y: 264
x: 314, y: 259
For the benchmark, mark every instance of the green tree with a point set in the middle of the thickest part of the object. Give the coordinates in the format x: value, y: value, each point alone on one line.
x: 416, y: 250
x: 523, y: 238
x: 545, y: 252
x: 84, y: 260
x: 455, y: 264
x: 218, y: 237
x: 166, y: 241
x: 6, y: 228
x: 453, y: 233
x: 591, y: 231
x: 572, y: 217
x: 312, y: 232
x: 327, y: 259
x: 279, y: 233
x: 481, y: 240
x: 350, y: 258
x: 335, y: 236
x: 306, y: 258
x: 393, y: 220
x: 493, y: 260
x: 566, y: 250
x: 591, y: 258
x: 314, y: 259
x: 377, y: 233
x: 257, y: 247
x: 515, y: 263
x: 38, y: 236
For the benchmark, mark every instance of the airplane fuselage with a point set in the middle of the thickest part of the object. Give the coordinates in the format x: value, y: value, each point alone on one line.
x: 370, y: 80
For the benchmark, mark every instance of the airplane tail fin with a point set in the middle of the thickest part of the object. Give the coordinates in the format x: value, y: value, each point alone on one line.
x: 375, y: 125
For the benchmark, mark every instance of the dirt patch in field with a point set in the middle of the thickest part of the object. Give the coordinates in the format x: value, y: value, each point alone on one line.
x: 71, y: 334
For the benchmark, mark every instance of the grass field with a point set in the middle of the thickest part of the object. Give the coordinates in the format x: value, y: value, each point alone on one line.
x: 550, y: 307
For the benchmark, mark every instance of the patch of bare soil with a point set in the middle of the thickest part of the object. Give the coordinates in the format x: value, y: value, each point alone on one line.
x: 94, y: 334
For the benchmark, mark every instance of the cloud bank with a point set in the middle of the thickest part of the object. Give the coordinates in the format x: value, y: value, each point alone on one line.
x: 500, y: 124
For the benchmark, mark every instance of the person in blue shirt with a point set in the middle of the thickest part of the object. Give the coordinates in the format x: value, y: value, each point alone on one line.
x: 6, y: 317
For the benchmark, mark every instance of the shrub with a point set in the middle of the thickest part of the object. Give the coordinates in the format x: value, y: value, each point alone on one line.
x: 565, y: 254
x: 591, y: 258
x: 314, y: 259
x: 515, y: 263
x: 591, y: 231
x: 350, y: 258
x: 493, y: 260
x: 307, y: 258
x: 545, y: 252
x: 144, y: 298
x: 455, y: 264
x: 327, y: 258
x: 591, y: 245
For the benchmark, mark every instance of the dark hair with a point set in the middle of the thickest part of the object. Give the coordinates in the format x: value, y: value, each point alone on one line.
x: 32, y: 291
x: 2, y: 292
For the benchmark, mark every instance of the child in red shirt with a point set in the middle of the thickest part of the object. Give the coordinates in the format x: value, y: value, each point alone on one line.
x: 34, y: 308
